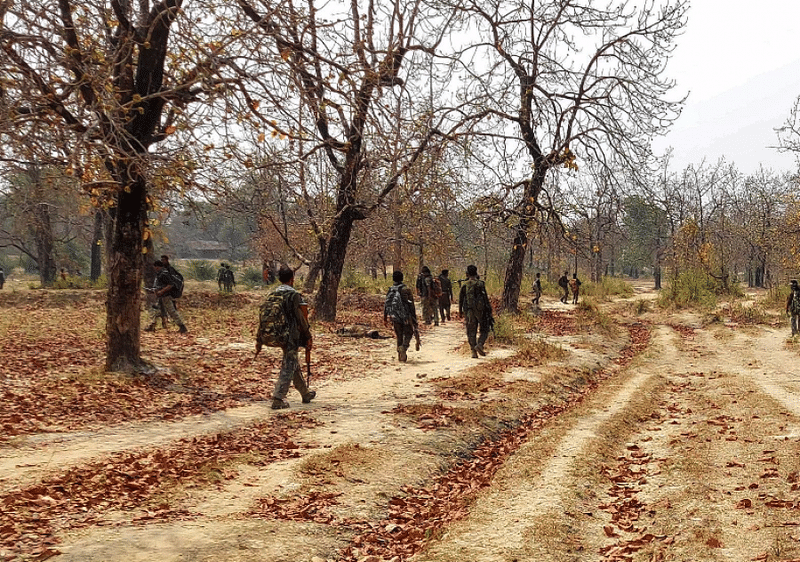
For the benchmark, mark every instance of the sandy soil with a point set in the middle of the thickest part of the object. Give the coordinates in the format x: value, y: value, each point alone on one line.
x: 687, y: 452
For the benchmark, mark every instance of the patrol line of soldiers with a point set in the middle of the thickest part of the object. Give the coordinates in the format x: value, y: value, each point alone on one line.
x: 436, y: 295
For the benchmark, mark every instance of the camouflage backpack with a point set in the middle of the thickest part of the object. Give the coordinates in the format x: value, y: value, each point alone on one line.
x: 274, y: 325
x: 394, y: 307
x: 436, y: 287
x: 476, y: 298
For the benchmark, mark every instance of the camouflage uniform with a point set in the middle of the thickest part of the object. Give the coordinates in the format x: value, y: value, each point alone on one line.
x: 794, y: 316
x: 164, y: 280
x: 563, y: 282
x: 430, y: 304
x: 447, y: 296
x: 299, y: 336
x: 575, y: 287
x: 404, y: 331
x: 537, y: 290
x: 477, y: 314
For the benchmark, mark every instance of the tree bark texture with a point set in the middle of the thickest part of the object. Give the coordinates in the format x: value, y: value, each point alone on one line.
x: 326, y: 300
x: 526, y: 209
x: 123, y: 304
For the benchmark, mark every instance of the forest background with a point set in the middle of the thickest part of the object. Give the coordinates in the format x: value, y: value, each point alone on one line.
x: 348, y: 138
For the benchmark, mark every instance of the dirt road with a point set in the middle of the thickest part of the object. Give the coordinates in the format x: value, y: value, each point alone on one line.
x: 663, y: 437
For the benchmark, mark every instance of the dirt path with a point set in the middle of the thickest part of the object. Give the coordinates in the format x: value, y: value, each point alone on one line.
x: 687, y: 453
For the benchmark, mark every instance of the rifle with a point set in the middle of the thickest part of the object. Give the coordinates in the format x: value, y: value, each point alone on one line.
x: 308, y: 366
x: 416, y: 333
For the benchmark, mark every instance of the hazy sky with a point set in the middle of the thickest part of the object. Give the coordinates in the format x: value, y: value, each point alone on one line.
x: 740, y: 63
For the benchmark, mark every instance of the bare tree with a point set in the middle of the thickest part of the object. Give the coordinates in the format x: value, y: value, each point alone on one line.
x: 348, y: 67
x: 586, y: 82
x: 112, y: 78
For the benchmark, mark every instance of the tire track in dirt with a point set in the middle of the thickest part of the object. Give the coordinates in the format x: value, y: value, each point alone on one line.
x: 712, y: 473
x: 531, y: 487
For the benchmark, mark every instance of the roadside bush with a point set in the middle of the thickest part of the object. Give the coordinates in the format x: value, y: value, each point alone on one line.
x: 538, y: 350
x: 606, y: 287
x: 251, y: 277
x: 640, y: 306
x: 505, y: 330
x: 201, y: 270
x: 690, y: 288
x: 359, y: 282
x: 776, y: 297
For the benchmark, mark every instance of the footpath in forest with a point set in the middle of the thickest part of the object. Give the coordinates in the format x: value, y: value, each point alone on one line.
x: 618, y: 433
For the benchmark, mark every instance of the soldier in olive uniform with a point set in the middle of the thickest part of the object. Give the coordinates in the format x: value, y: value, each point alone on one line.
x: 300, y: 336
x: 430, y: 302
x: 447, y: 295
x: 475, y: 308
x: 404, y: 320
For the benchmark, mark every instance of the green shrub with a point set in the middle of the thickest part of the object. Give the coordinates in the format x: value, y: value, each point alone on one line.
x: 640, y: 306
x: 251, y: 277
x: 776, y: 297
x: 690, y: 288
x: 606, y: 287
x: 202, y: 270
x: 505, y: 330
x: 359, y: 282
x: 591, y: 313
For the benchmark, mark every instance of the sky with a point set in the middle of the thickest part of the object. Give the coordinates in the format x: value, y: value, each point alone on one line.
x: 739, y: 62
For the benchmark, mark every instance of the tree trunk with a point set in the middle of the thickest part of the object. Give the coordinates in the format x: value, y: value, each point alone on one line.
x: 44, y: 244
x: 313, y: 272
x: 123, y: 303
x: 96, y: 268
x: 512, y: 283
x: 397, y: 257
x: 326, y: 299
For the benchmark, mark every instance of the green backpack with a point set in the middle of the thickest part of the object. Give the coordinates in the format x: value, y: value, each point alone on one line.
x: 476, y: 298
x: 274, y: 325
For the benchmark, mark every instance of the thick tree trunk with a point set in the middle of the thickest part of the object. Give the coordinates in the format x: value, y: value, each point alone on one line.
x: 123, y: 304
x: 512, y: 283
x: 526, y: 208
x: 327, y: 295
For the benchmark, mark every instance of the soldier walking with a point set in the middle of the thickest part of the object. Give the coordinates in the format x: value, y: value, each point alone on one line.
x: 475, y: 308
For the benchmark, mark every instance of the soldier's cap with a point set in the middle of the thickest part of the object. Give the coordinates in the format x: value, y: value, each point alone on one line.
x: 158, y: 263
x: 793, y: 283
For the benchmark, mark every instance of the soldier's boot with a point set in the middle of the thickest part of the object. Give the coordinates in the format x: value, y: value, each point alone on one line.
x: 151, y: 328
x: 480, y: 350
x: 474, y: 354
x: 309, y: 396
x: 401, y: 354
x: 278, y: 404
x: 183, y: 329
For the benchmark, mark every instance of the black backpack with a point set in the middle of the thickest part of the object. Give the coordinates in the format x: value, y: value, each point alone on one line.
x: 177, y: 283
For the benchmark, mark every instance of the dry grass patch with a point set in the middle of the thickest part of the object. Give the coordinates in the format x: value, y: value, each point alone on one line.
x: 348, y: 461
x: 590, y: 314
x: 538, y: 351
